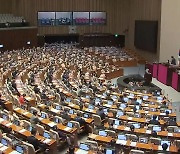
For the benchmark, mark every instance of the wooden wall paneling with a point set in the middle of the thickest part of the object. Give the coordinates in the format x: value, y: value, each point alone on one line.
x: 5, y: 6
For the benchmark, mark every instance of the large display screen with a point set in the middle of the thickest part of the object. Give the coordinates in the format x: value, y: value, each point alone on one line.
x: 46, y: 18
x: 97, y: 18
x: 63, y: 18
x: 71, y: 18
x: 81, y: 18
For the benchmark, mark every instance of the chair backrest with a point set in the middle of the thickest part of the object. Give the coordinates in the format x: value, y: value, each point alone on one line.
x: 46, y: 115
x: 97, y: 120
x: 55, y: 135
x: 172, y: 129
x: 26, y: 124
x: 136, y: 151
x: 156, y: 141
x: 40, y: 129
x: 77, y: 125
x: 111, y: 133
x: 59, y: 119
x: 30, y: 147
x: 93, y: 145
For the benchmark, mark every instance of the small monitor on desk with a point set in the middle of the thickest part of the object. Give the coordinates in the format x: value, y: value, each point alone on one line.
x: 68, y: 100
x: 167, y: 142
x: 91, y: 106
x: 159, y: 98
x: 110, y: 102
x: 71, y: 111
x: 70, y: 124
x: 86, y: 115
x: 120, y: 113
x: 30, y: 128
x: 117, y: 122
x: 122, y: 137
x: 46, y: 135
x: 102, y: 133
x: 126, y: 99
x: 156, y: 128
x: 109, y: 151
x: 84, y: 147
x: 136, y: 125
x: 20, y: 149
x: 4, y: 142
x: 139, y: 101
x: 123, y: 105
x: 5, y: 117
x: 43, y: 115
x: 145, y: 97
x: 58, y: 107
x: 87, y: 96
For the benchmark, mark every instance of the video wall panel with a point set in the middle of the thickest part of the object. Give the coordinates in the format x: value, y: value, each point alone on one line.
x: 71, y: 18
x: 97, y: 18
x: 46, y: 18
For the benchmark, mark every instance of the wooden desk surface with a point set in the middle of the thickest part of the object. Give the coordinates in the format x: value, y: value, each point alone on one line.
x: 107, y: 139
x: 144, y: 131
x: 148, y: 146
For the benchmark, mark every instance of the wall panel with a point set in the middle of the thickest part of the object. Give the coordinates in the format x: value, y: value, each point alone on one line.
x: 5, y: 6
x: 117, y: 13
x: 144, y: 10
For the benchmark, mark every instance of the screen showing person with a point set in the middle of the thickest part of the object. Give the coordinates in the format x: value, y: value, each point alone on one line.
x: 157, y: 128
x: 102, y: 133
x: 46, y: 135
x: 20, y: 149
x: 122, y: 137
x: 4, y: 142
x: 70, y: 124
x: 84, y: 146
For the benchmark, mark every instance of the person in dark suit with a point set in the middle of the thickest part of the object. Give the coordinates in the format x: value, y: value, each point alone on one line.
x: 101, y: 113
x: 154, y: 121
x: 36, y: 90
x: 81, y: 121
x: 35, y: 142
x: 173, y: 60
x: 172, y: 122
x: 2, y: 102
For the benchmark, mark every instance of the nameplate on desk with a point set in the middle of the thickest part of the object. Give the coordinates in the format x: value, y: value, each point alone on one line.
x: 148, y: 131
x: 79, y: 151
x: 25, y: 113
x: 9, y: 124
x: 47, y: 141
x: 3, y: 148
x: 133, y: 144
x: 170, y: 134
x: 127, y: 128
x: 130, y: 118
x: 163, y: 114
x: 52, y: 124
x: 14, y: 152
x: 54, y: 110
x: 17, y: 109
x: 67, y: 129
x: 160, y: 148
x: 1, y: 120
x: 122, y: 142
x: 22, y: 130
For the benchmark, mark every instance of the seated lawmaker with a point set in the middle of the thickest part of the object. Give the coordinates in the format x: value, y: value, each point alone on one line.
x: 154, y: 121
x: 101, y: 113
x: 2, y: 102
x: 81, y: 121
x: 164, y: 149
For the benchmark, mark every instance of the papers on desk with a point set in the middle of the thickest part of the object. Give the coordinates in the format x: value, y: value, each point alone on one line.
x: 160, y: 148
x: 1, y: 120
x: 47, y: 141
x: 107, y: 105
x: 41, y: 105
x: 80, y: 151
x: 17, y: 109
x: 115, y: 126
x: 67, y: 129
x: 170, y: 134
x: 133, y: 144
x: 22, y: 130
x: 9, y: 124
x: 148, y: 131
x: 122, y: 142
x: 14, y: 152
x: 54, y: 110
x: 71, y: 105
x: 25, y: 113
x: 163, y: 114
x: 130, y: 118
x: 52, y: 124
x: 89, y: 110
x: 127, y: 129
x: 1, y: 145
x: 3, y: 148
